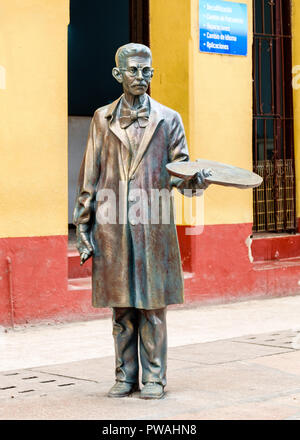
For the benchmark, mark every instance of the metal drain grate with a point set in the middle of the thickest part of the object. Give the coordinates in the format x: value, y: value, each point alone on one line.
x: 21, y: 383
x: 289, y: 339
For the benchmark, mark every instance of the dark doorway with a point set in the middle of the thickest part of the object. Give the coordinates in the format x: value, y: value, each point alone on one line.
x: 96, y: 30
x: 139, y: 21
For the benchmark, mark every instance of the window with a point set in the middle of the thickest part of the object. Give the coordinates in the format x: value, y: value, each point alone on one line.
x: 273, y: 145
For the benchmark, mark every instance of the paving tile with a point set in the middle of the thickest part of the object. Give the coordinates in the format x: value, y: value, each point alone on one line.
x: 221, y: 352
x: 98, y: 370
x: 288, y: 399
x: 101, y: 370
x: 237, y: 381
x: 285, y: 339
x: 25, y: 383
x: 286, y: 362
x: 216, y: 380
x: 89, y: 401
x: 249, y: 411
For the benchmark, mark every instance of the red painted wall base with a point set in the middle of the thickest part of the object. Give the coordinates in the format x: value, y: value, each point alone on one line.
x: 34, y: 282
x: 223, y: 267
x: 218, y: 266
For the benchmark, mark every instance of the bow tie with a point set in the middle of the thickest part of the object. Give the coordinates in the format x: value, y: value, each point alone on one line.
x: 128, y: 116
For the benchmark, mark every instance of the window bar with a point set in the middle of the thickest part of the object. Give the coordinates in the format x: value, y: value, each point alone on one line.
x: 259, y: 76
x: 256, y: 222
x: 274, y: 172
x: 294, y: 176
x: 290, y: 121
x: 254, y: 15
x: 283, y: 121
x: 279, y: 87
x: 272, y: 4
x: 272, y: 76
x: 263, y: 15
x: 254, y: 78
x: 273, y: 36
x: 265, y: 175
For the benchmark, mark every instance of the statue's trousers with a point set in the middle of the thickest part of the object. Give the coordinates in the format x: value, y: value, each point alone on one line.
x: 144, y: 328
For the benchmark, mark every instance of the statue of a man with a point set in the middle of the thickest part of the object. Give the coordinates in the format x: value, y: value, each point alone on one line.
x: 136, y: 260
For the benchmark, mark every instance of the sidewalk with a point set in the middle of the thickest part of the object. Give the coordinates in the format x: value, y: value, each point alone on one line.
x: 233, y: 361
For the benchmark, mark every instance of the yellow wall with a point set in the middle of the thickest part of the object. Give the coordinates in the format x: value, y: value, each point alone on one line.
x: 296, y: 65
x: 216, y: 108
x: 169, y: 35
x: 33, y: 114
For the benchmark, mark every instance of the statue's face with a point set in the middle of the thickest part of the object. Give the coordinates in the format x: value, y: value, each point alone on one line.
x: 136, y: 75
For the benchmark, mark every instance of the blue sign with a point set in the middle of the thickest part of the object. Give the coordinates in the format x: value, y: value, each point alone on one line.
x: 223, y: 27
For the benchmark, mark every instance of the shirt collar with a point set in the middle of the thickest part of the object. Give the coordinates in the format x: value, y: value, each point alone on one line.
x: 111, y: 111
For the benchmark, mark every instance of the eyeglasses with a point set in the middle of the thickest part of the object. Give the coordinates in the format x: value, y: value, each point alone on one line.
x: 133, y: 71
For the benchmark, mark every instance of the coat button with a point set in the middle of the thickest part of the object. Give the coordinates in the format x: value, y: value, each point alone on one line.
x: 133, y: 222
x: 131, y: 198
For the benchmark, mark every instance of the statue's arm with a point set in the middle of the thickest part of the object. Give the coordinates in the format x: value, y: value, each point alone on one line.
x: 178, y: 152
x: 86, y: 191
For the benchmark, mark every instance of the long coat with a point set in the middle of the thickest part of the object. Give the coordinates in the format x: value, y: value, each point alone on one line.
x: 134, y: 264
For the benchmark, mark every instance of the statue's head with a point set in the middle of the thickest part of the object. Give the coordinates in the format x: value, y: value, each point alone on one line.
x: 133, y: 68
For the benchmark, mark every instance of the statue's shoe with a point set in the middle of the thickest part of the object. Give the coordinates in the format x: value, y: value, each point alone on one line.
x: 123, y: 389
x: 152, y: 390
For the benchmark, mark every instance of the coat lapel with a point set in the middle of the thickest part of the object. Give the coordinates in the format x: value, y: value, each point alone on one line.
x: 154, y: 119
x: 114, y: 125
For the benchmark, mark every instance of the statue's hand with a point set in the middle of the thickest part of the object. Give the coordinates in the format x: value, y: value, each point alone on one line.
x: 198, y: 180
x: 83, y: 244
x: 83, y: 257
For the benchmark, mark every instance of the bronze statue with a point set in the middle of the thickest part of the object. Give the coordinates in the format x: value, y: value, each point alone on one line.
x: 136, y: 263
